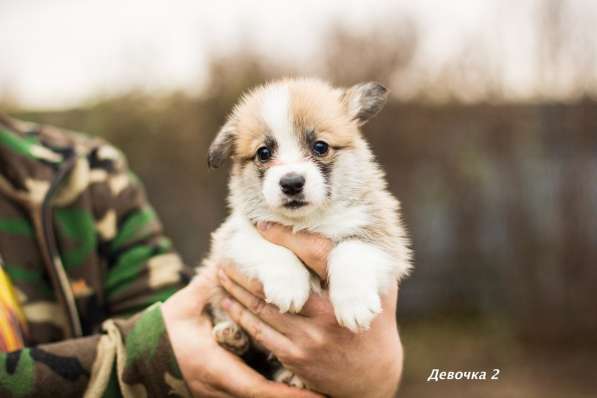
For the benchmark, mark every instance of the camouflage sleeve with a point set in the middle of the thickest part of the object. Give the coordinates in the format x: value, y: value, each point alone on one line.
x: 141, y: 266
x: 131, y: 358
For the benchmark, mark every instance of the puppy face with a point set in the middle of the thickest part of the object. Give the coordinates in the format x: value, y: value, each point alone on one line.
x: 286, y: 138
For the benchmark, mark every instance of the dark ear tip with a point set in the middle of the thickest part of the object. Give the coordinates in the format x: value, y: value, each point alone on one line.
x: 213, y: 162
x: 372, y: 97
x: 377, y: 88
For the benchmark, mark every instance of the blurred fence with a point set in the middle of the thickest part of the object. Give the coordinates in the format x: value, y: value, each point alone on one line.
x: 499, y: 199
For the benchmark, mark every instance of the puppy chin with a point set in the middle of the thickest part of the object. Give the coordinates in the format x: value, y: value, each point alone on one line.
x: 291, y: 208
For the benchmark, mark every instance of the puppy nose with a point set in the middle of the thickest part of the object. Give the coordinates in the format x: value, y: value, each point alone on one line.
x: 292, y: 183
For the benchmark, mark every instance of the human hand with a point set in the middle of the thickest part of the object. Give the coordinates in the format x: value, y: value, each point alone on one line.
x: 208, y: 369
x: 327, y: 357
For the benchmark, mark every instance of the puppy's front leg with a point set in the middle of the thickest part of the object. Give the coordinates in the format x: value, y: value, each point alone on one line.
x: 286, y: 281
x: 358, y: 273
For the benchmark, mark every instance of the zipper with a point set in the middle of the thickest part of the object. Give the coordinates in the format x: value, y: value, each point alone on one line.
x: 42, y: 218
x: 47, y: 242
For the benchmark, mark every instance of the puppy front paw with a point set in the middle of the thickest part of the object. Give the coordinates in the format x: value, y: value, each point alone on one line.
x: 288, y: 289
x: 358, y: 273
x: 355, y: 308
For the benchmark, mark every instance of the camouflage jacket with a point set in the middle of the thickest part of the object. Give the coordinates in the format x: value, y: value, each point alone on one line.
x: 84, y: 251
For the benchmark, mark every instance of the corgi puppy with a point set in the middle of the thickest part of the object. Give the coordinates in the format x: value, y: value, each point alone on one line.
x: 299, y: 159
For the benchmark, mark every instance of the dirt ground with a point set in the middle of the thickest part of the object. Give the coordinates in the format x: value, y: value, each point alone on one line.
x: 525, y: 371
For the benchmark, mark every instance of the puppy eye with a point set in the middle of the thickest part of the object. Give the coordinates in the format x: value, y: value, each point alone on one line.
x: 264, y: 154
x: 320, y: 148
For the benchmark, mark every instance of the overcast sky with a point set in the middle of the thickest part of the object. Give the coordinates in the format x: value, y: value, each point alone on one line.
x: 56, y: 53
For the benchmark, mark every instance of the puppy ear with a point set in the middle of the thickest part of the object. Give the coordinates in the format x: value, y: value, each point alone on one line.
x: 364, y: 100
x: 221, y: 147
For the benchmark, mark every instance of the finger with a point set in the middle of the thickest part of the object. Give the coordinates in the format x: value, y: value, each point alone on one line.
x: 192, y: 299
x: 318, y: 306
x: 247, y: 383
x: 266, y: 312
x: 312, y: 249
x: 263, y: 334
x: 250, y: 284
x: 199, y: 389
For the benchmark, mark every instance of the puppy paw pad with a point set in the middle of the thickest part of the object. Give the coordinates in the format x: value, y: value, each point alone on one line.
x: 230, y: 336
x: 289, y: 378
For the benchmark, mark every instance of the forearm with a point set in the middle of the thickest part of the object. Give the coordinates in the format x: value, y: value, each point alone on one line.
x: 391, y: 377
x: 388, y: 369
x: 49, y: 369
x: 381, y: 379
x: 129, y: 357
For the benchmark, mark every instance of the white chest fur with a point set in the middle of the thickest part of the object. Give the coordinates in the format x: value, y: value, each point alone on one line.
x: 358, y: 271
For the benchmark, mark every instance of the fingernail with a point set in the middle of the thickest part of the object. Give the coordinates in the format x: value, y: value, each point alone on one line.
x: 263, y: 225
x: 222, y: 275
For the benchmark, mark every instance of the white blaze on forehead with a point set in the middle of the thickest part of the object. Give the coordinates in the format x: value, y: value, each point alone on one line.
x: 276, y: 107
x: 276, y: 112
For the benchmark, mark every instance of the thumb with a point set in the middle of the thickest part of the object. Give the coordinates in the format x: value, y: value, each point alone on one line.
x: 313, y: 249
x: 192, y: 299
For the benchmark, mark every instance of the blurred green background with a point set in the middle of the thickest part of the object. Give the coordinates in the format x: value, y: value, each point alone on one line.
x: 498, y: 186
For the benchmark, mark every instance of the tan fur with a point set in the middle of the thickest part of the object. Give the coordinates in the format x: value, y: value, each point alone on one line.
x: 314, y: 106
x: 247, y: 121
